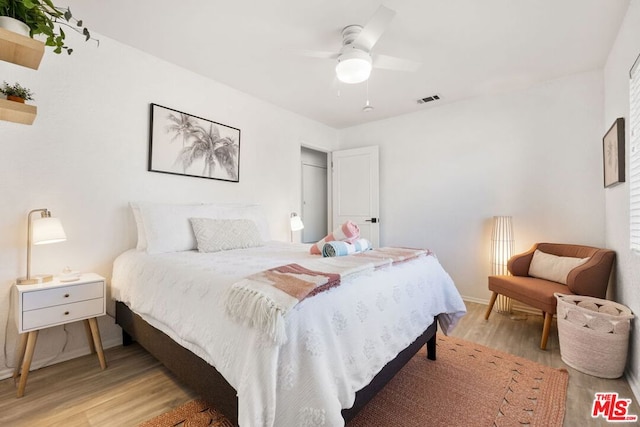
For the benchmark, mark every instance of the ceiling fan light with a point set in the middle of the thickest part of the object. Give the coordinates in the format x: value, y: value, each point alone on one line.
x: 353, y: 67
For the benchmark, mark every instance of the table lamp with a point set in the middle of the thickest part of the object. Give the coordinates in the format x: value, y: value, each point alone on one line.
x: 41, y: 231
x: 296, y: 223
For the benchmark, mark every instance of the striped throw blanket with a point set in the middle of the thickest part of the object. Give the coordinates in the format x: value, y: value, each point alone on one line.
x: 262, y: 300
x: 347, y: 232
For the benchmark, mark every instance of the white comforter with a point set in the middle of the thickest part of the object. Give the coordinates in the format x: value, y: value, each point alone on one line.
x: 338, y: 340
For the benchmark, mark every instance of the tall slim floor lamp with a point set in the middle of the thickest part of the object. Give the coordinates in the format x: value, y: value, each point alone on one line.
x: 501, y: 250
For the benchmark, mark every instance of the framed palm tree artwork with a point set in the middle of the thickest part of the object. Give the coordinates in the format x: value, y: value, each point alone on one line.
x: 182, y: 144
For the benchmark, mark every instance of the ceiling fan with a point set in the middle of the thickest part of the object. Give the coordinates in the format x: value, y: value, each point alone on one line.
x: 355, y: 59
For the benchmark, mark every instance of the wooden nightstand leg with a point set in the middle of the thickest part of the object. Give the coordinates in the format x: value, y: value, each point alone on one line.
x: 87, y: 328
x: 20, y: 354
x: 26, y: 365
x: 95, y: 332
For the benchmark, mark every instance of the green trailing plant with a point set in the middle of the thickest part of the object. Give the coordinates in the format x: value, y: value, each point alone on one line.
x: 17, y: 90
x: 43, y: 17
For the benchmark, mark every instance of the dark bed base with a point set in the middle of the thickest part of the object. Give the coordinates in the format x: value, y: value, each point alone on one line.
x: 211, y: 385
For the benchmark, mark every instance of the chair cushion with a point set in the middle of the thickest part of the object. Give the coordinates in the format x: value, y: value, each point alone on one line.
x: 553, y: 267
x: 537, y: 293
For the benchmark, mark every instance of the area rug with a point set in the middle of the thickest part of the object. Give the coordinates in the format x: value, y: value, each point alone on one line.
x: 468, y: 384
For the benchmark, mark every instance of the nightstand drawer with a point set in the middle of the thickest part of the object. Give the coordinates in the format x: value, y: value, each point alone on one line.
x: 50, y: 316
x: 61, y: 295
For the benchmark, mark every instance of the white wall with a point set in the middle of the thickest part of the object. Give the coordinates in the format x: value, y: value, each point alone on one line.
x: 85, y: 158
x: 616, y: 84
x: 533, y: 154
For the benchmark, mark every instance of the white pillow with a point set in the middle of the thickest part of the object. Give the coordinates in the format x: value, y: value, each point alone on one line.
x: 165, y: 227
x: 214, y: 235
x: 553, y: 267
x: 142, y: 238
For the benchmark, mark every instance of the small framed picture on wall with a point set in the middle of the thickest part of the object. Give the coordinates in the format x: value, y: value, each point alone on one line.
x: 613, y: 153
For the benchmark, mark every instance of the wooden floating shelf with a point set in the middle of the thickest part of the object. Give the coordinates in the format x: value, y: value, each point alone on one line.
x: 20, y: 49
x: 17, y: 112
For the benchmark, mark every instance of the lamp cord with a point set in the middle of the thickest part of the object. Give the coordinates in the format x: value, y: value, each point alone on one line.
x: 6, y: 329
x: 6, y: 333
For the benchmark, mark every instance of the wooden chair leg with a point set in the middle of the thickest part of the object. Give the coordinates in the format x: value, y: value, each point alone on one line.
x: 490, y: 307
x: 548, y: 317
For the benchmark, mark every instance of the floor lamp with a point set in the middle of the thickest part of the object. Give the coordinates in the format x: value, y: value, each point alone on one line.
x: 501, y: 251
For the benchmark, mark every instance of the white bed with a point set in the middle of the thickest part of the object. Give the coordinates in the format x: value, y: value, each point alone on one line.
x: 338, y: 340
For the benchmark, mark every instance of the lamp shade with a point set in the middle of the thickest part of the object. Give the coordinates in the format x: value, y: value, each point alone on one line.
x: 501, y: 250
x: 296, y: 223
x: 501, y: 244
x: 47, y: 230
x: 353, y: 67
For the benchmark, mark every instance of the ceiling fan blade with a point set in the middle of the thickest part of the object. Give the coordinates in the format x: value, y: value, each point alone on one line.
x: 374, y: 28
x: 392, y: 63
x: 317, y: 54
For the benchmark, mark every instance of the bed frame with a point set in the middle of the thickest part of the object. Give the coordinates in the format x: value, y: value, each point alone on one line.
x: 211, y: 385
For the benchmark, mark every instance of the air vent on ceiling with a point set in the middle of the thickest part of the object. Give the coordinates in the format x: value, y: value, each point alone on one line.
x: 428, y: 99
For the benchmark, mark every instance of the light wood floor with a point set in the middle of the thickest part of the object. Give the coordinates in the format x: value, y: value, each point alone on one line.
x: 135, y: 387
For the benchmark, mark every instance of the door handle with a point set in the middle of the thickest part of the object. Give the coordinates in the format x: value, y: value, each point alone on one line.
x: 372, y: 220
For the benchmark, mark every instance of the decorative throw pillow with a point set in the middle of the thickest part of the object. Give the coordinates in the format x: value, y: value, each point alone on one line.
x: 552, y: 267
x: 214, y: 235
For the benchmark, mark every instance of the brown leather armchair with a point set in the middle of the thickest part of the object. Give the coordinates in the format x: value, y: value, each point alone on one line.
x: 590, y: 279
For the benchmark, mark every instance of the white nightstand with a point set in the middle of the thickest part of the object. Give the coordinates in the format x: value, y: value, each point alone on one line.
x: 44, y: 305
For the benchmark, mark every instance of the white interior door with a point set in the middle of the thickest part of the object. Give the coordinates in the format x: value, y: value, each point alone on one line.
x: 356, y: 187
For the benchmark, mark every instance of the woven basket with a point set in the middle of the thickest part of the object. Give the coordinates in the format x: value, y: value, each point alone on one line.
x: 593, y: 334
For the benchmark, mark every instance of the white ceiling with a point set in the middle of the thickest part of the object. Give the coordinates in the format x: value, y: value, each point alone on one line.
x: 467, y: 47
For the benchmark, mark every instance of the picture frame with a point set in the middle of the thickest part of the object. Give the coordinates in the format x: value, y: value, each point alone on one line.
x: 613, y: 153
x: 188, y: 145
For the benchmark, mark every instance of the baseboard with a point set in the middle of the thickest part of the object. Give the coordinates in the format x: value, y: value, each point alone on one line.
x: 476, y: 300
x: 62, y: 357
x: 6, y: 373
x: 517, y: 306
x: 634, y: 384
x: 526, y: 309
